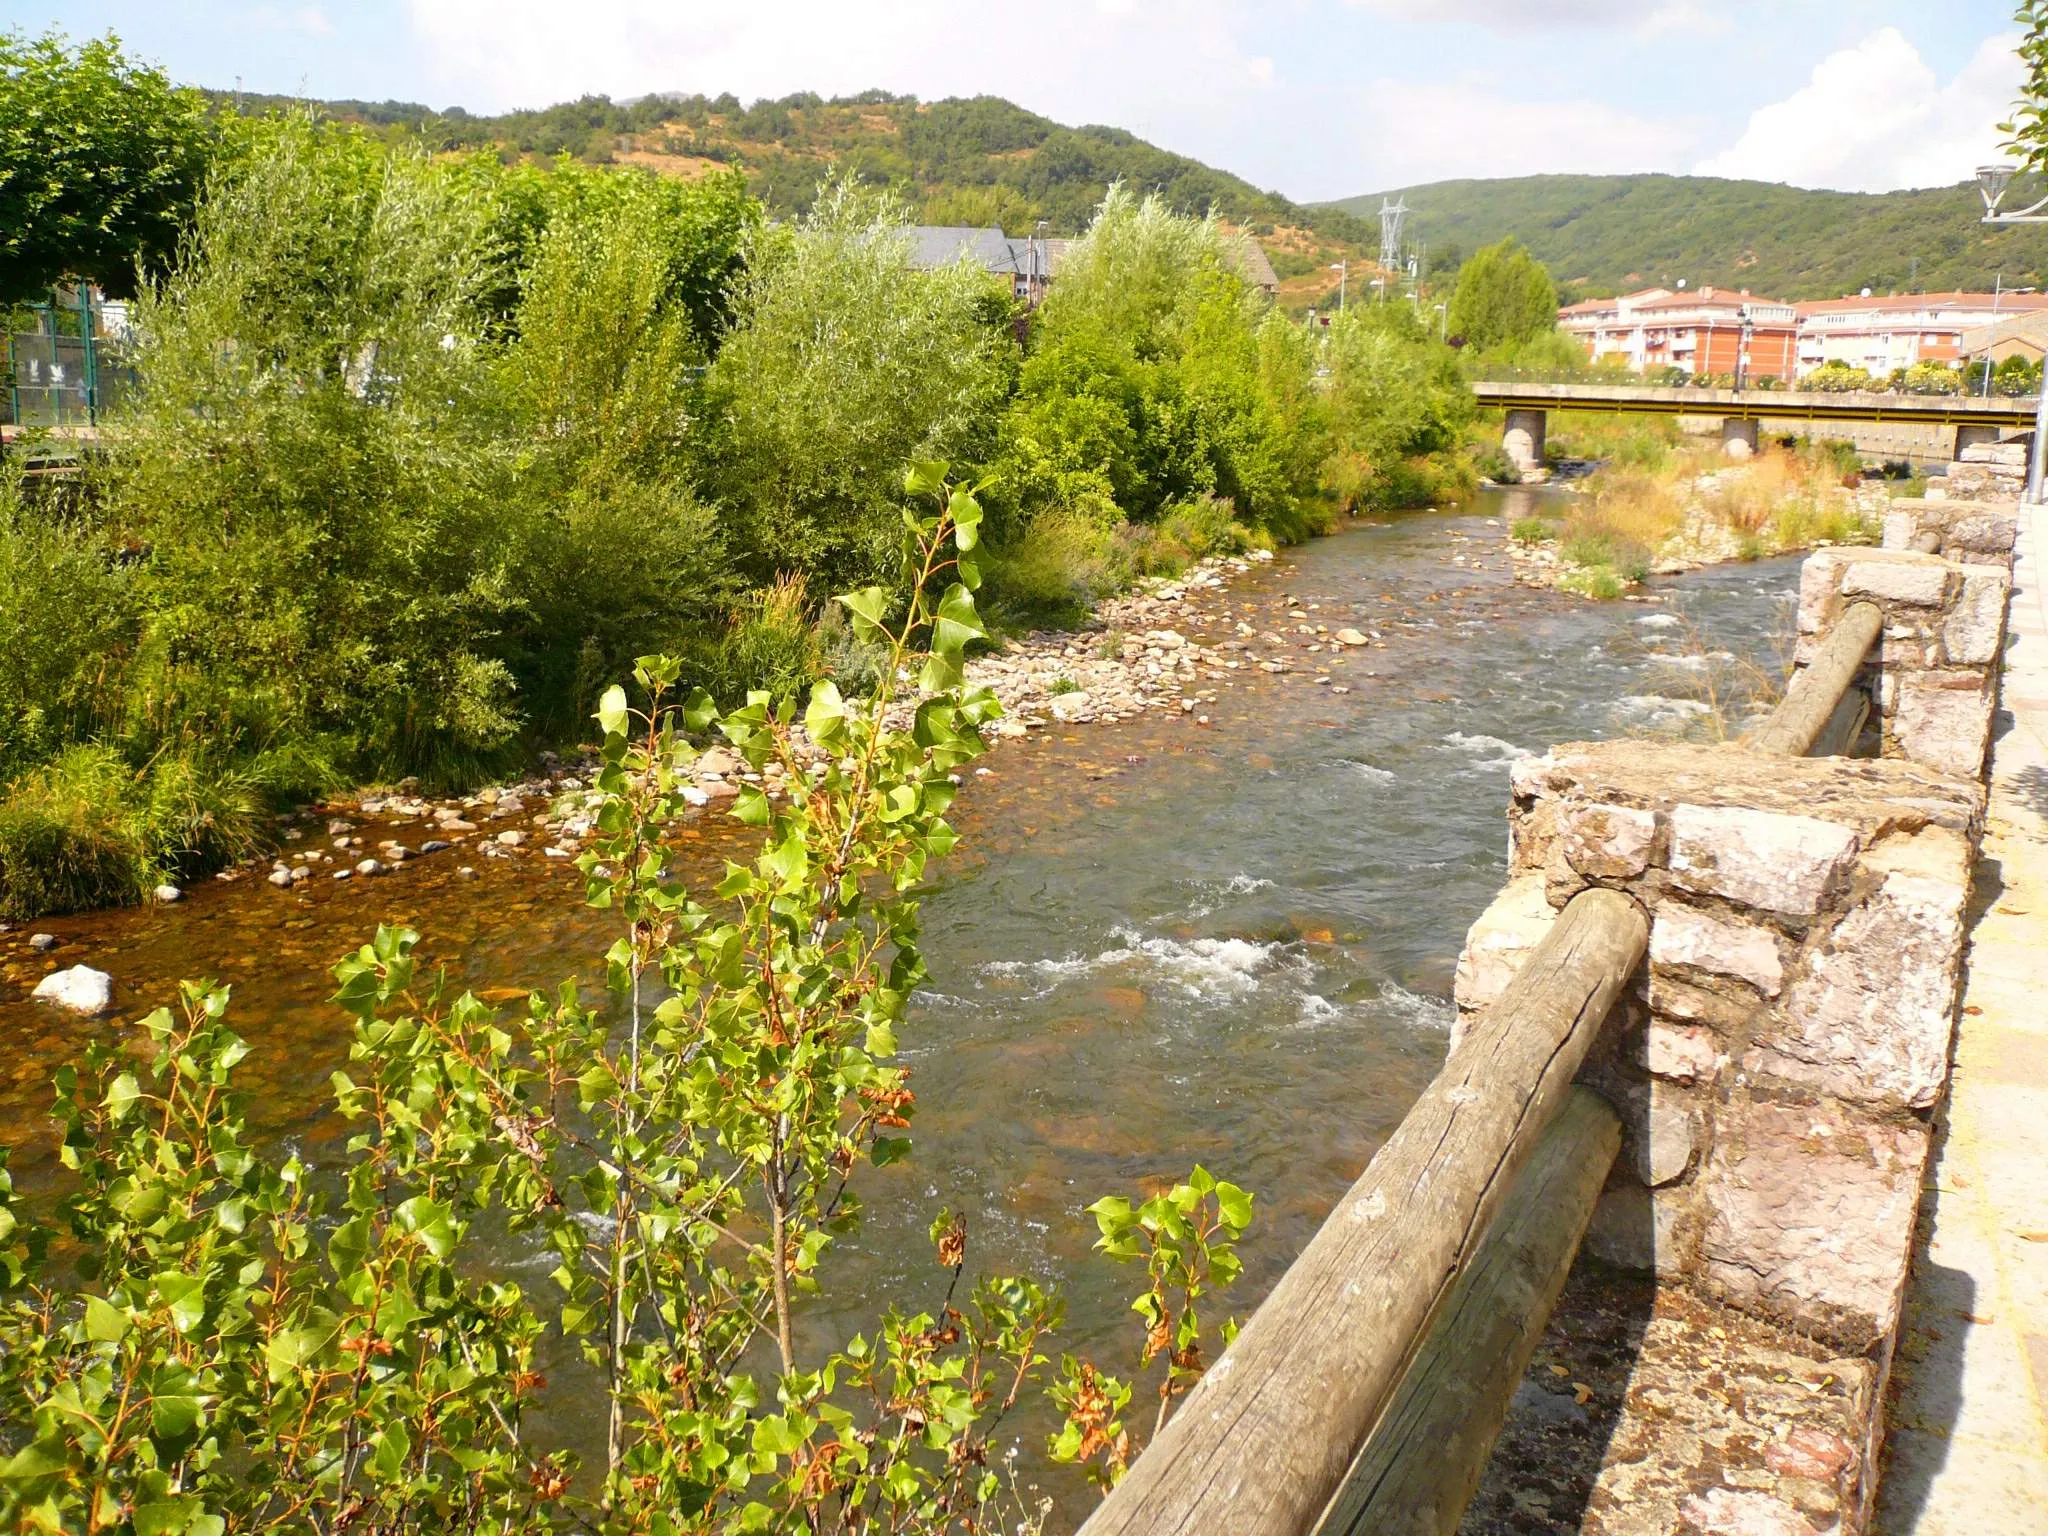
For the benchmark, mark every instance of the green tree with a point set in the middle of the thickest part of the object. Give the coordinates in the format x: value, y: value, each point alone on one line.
x: 101, y: 161
x: 845, y: 360
x: 2028, y: 130
x: 1504, y: 296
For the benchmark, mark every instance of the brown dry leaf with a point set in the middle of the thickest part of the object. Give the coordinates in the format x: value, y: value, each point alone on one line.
x: 1558, y: 1370
x: 1581, y: 1393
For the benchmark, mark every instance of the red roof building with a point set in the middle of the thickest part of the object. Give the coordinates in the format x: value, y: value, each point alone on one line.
x: 1710, y: 331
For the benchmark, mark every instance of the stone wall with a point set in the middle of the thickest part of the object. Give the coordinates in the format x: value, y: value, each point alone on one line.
x: 1779, y: 1056
x: 1776, y: 1060
x: 1933, y: 674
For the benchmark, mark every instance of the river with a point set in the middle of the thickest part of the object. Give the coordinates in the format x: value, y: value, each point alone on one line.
x: 1158, y: 944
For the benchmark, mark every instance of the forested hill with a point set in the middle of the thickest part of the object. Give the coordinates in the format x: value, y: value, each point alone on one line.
x: 979, y: 160
x: 1608, y: 234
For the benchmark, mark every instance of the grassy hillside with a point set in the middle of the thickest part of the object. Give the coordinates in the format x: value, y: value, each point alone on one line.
x: 979, y: 160
x: 1603, y: 234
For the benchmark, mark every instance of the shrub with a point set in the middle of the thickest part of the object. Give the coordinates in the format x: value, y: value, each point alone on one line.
x: 88, y: 830
x: 67, y: 620
x: 1597, y: 581
x: 1048, y: 577
x: 1533, y: 530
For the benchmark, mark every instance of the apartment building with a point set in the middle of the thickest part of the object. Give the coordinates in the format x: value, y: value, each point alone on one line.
x: 1899, y: 330
x: 1704, y: 331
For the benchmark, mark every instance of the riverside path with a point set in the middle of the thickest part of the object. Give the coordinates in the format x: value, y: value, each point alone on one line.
x: 1968, y: 1449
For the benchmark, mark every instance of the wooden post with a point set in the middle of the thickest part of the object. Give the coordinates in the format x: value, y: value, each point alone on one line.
x: 1803, y: 714
x: 1424, y: 1460
x: 1264, y: 1441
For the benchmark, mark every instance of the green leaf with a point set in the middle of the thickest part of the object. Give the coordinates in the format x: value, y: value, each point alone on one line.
x: 291, y: 1348
x: 104, y: 1322
x: 825, y: 717
x: 1234, y: 1205
x: 174, y: 1415
x: 966, y: 513
x: 940, y: 673
x: 700, y: 713
x: 870, y: 609
x: 430, y: 1221
x: 611, y: 711
x: 121, y: 1095
x: 597, y: 1083
x: 184, y: 1296
x: 924, y: 477
x: 957, y: 622
x: 41, y: 1458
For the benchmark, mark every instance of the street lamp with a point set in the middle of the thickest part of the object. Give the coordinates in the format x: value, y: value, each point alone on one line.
x: 1992, y: 182
x: 1343, y: 271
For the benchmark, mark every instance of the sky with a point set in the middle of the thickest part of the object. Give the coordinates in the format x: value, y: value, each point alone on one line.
x: 1316, y: 99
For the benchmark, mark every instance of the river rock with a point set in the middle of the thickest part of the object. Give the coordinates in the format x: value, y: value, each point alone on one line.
x: 369, y: 867
x: 281, y: 878
x: 166, y: 894
x: 511, y: 839
x: 1350, y: 637
x: 81, y: 989
x: 435, y: 845
x: 1068, y: 707
x: 42, y: 943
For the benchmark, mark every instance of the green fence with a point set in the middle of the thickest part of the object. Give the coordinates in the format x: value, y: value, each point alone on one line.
x: 63, y: 367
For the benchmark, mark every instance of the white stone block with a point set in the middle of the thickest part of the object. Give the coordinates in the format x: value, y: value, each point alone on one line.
x: 1681, y: 936
x: 1762, y: 859
x: 1974, y: 629
x: 1920, y: 584
x: 1944, y: 727
x: 1506, y: 931
x: 1876, y: 1005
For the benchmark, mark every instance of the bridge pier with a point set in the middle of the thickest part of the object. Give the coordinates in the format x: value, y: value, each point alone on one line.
x: 1738, y: 437
x: 1969, y: 436
x: 1523, y: 439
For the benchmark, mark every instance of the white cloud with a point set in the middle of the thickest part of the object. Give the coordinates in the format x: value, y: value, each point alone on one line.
x: 1875, y: 117
x: 1532, y: 15
x: 1410, y: 132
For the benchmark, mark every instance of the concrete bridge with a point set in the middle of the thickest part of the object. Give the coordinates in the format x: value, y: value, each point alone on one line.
x: 1709, y: 1030
x: 1743, y: 412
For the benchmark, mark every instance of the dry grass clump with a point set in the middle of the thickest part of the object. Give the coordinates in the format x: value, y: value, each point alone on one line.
x: 1698, y: 509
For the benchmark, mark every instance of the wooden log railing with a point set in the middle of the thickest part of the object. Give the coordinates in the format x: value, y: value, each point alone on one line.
x: 1816, y: 709
x: 1264, y: 1443
x: 1366, y: 1392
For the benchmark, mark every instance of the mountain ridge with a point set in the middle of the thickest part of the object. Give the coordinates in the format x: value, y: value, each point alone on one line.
x: 1607, y: 234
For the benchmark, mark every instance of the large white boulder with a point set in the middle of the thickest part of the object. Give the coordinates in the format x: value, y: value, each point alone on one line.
x: 80, y: 989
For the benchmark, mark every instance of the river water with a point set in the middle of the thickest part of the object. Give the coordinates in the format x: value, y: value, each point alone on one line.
x: 1159, y: 944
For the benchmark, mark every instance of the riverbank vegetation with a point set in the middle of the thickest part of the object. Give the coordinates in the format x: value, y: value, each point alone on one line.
x: 1670, y: 507
x: 229, y: 1339
x: 426, y: 449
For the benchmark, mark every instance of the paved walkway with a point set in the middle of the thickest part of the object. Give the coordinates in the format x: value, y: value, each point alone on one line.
x: 1968, y: 1450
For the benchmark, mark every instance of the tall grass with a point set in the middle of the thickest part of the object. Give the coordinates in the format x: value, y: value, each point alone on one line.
x: 1704, y: 508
